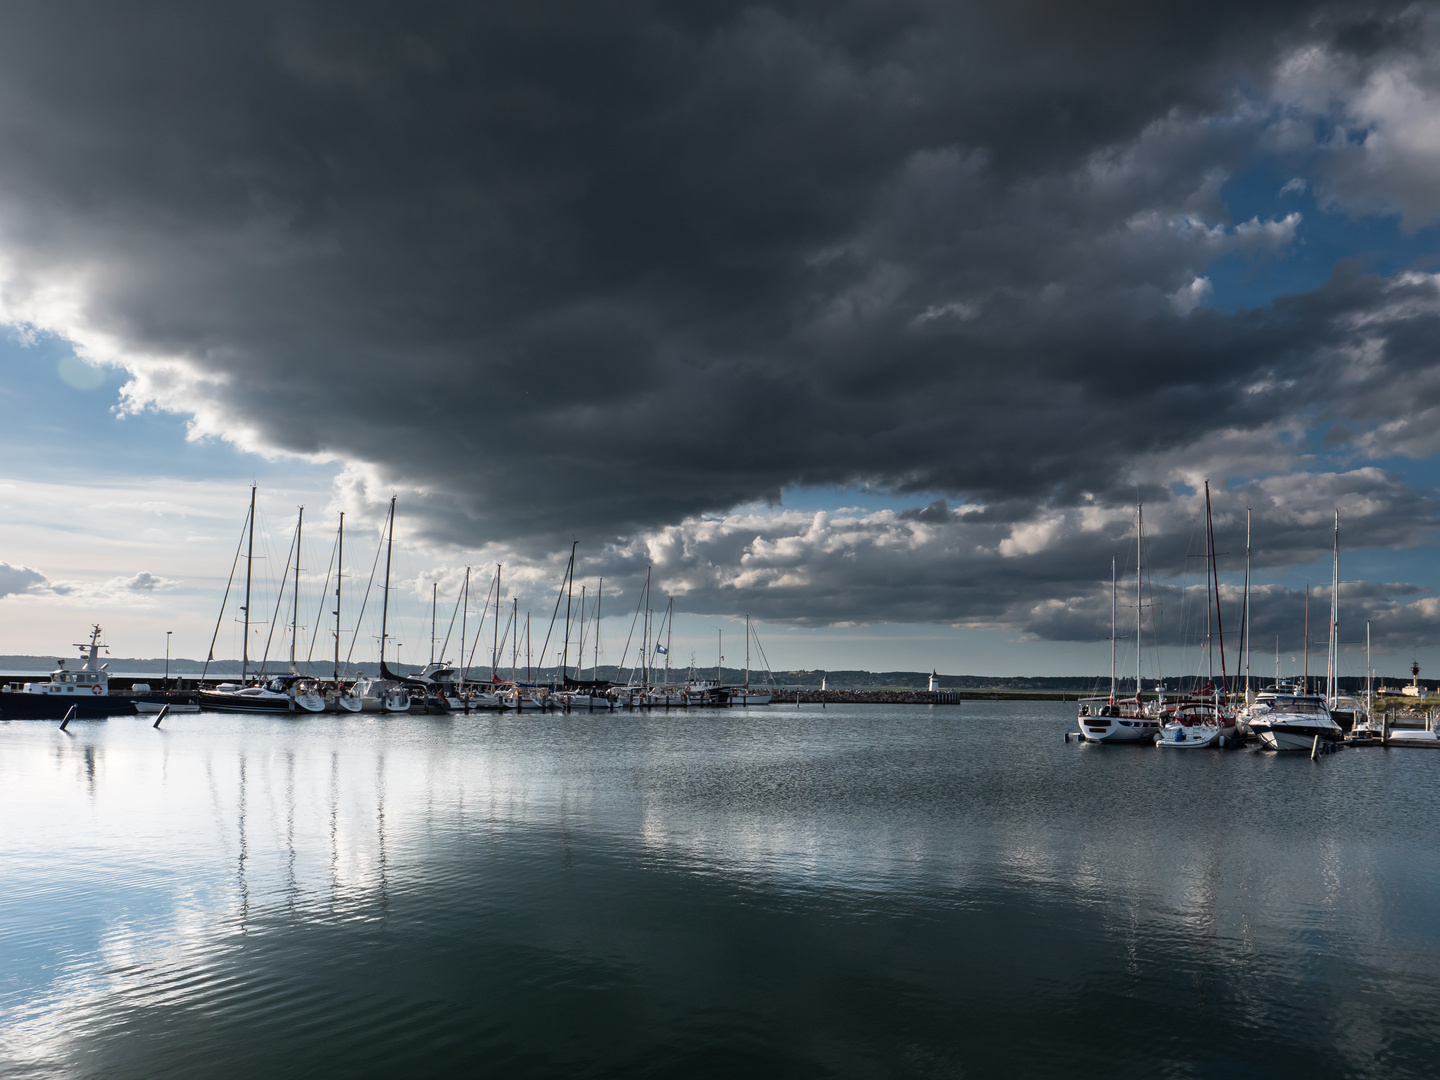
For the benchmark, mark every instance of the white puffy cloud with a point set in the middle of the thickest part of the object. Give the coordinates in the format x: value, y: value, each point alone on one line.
x: 1372, y: 115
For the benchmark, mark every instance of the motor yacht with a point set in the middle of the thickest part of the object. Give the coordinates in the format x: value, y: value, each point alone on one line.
x: 1293, y: 721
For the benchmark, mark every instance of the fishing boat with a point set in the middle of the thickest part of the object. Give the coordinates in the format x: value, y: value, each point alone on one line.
x: 85, y: 689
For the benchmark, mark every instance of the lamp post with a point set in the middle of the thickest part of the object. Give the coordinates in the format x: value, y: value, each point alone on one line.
x: 167, y: 659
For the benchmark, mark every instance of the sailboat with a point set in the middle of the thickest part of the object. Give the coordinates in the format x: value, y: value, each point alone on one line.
x: 1345, y: 709
x: 1365, y: 731
x: 265, y: 697
x: 744, y: 695
x: 428, y: 699
x: 1109, y: 720
x: 342, y: 698
x: 1204, y: 720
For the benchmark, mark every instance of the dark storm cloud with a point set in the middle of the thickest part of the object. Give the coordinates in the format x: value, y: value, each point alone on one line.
x: 611, y: 266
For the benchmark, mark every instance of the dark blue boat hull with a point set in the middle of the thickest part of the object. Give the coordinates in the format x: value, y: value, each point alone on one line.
x: 21, y: 706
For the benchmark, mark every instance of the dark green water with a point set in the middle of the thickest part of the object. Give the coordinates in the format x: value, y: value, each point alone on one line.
x: 858, y: 891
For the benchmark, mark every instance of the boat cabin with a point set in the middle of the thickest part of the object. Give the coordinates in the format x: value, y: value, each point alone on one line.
x: 90, y: 679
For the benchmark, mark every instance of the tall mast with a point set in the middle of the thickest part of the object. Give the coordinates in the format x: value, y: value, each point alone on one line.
x: 464, y: 616
x: 295, y: 598
x: 645, y: 633
x: 1246, y: 631
x: 1139, y: 531
x: 580, y: 641
x: 669, y: 635
x: 385, y: 605
x: 1215, y: 577
x: 599, y: 594
x: 515, y: 640
x: 1114, y: 608
x: 719, y: 654
x: 569, y: 594
x: 339, y: 574
x: 747, y: 652
x: 1332, y: 663
x: 527, y: 647
x: 495, y: 648
x: 1368, y: 705
x: 434, y: 603
x: 249, y: 563
x: 1305, y: 686
x: 1209, y: 614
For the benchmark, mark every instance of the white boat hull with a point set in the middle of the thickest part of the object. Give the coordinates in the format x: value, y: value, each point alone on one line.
x: 1194, y: 737
x: 1119, y: 729
x: 1293, y: 737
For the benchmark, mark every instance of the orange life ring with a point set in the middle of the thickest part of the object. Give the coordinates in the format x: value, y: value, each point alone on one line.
x: 96, y: 690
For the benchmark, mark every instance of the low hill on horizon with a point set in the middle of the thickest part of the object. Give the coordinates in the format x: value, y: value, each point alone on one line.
x: 16, y: 666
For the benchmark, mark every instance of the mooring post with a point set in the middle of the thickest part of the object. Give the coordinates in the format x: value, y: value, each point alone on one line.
x: 164, y: 712
x: 1315, y: 749
x: 70, y: 715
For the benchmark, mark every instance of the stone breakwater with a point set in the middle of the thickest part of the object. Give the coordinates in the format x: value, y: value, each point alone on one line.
x: 868, y: 697
x: 917, y: 697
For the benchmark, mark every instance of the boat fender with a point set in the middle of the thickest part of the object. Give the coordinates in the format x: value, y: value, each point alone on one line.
x: 96, y: 690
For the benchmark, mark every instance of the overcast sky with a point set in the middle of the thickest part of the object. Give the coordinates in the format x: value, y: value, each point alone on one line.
x: 872, y: 320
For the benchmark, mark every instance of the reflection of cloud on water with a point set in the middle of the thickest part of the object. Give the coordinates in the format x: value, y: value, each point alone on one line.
x: 150, y: 878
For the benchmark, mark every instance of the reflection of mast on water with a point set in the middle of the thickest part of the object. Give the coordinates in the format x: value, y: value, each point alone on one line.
x: 380, y: 826
x: 240, y: 868
x: 334, y: 827
x: 290, y: 826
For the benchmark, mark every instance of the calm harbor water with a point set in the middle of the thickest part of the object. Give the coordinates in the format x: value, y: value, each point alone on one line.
x: 855, y: 891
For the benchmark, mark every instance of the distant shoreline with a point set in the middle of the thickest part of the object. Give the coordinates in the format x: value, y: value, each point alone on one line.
x: 841, y: 685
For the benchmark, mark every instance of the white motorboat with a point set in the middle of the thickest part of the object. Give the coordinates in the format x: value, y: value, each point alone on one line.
x: 1293, y: 722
